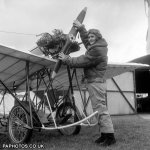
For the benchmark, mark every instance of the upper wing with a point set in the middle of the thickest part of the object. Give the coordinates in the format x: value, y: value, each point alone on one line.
x: 13, y: 65
x: 13, y: 69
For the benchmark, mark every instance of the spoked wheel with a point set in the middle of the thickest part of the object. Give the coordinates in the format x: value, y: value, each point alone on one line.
x: 67, y: 115
x: 18, y: 125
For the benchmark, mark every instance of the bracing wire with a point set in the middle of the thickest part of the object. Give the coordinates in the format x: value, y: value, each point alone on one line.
x: 8, y: 32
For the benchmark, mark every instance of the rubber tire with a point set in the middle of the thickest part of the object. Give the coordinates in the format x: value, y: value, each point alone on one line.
x: 77, y: 127
x: 28, y: 132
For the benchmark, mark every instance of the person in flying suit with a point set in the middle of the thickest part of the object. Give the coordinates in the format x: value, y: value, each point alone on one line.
x: 94, y: 63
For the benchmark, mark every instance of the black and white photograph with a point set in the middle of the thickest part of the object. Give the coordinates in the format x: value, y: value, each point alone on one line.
x: 75, y: 74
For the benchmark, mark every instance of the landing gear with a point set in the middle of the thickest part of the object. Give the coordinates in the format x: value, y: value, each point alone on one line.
x: 67, y: 114
x: 19, y: 125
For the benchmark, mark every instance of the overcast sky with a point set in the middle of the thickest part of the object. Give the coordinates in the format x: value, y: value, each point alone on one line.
x: 123, y: 23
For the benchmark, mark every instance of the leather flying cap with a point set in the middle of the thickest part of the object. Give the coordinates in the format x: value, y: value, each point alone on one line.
x: 95, y: 32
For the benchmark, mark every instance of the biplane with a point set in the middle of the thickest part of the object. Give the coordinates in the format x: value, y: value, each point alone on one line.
x: 52, y: 105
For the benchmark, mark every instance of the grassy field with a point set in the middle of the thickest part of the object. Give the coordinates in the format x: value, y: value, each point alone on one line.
x: 132, y: 133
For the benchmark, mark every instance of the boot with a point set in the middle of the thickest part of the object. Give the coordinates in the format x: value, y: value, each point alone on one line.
x: 109, y: 139
x: 101, y: 139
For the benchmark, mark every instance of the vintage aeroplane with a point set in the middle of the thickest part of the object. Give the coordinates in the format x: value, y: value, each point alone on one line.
x: 53, y: 105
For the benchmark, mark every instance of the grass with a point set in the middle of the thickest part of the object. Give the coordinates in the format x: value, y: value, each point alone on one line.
x: 132, y: 133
